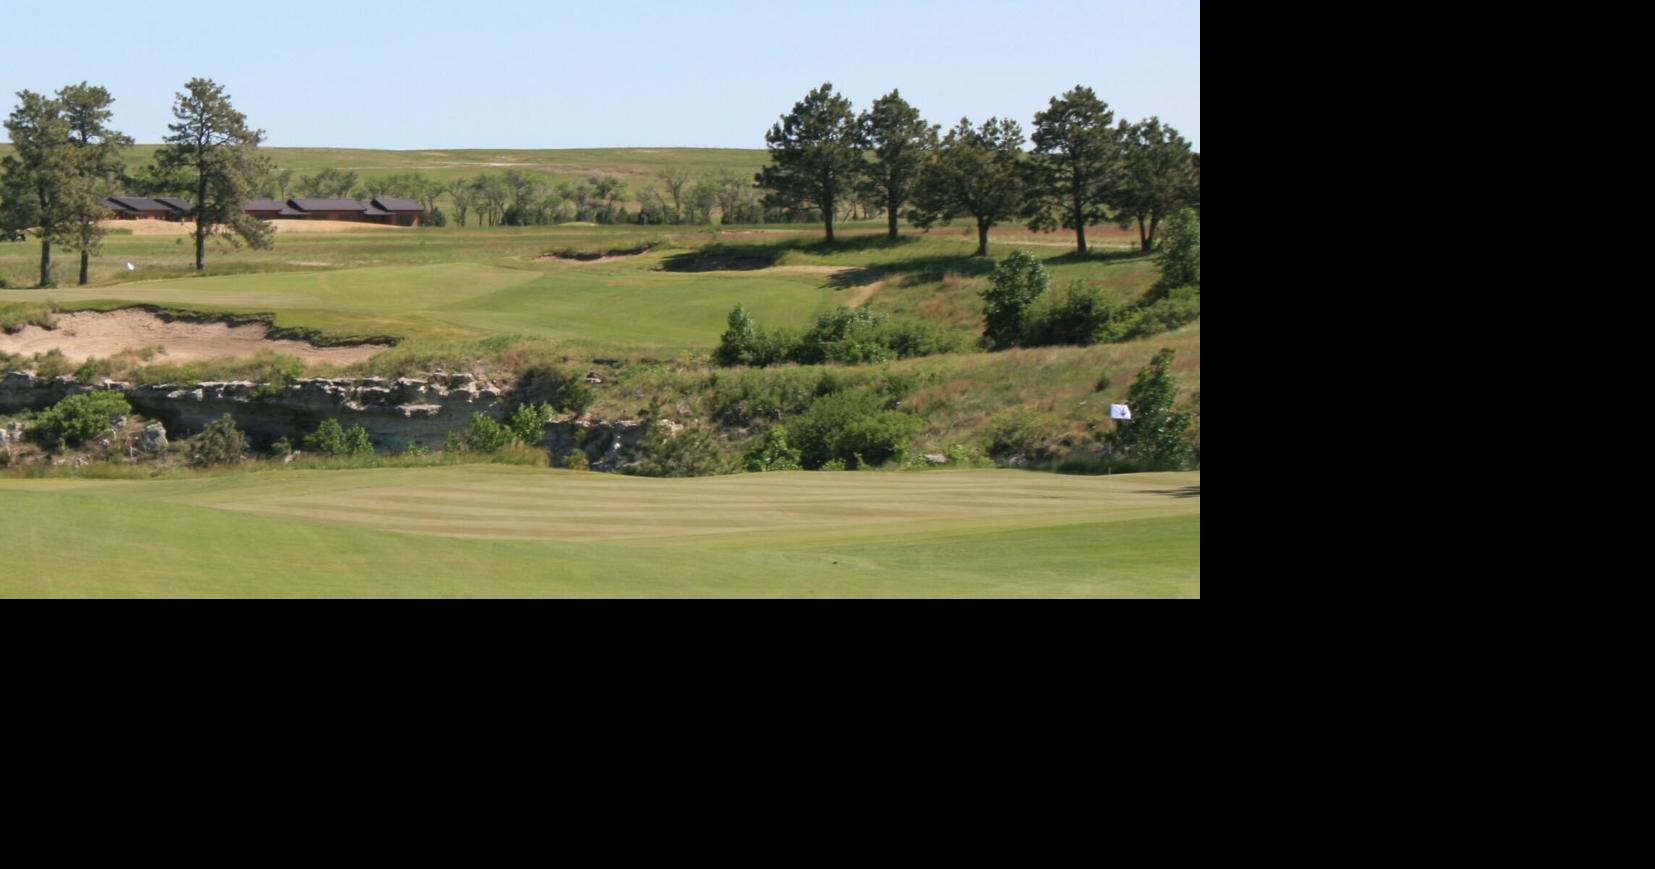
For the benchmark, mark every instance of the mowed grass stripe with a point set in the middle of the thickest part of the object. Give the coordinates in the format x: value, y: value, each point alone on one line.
x: 569, y: 506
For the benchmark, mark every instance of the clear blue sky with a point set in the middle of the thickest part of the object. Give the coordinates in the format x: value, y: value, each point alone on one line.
x: 414, y: 74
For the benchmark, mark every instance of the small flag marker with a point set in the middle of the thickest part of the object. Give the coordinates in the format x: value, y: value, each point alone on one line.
x: 1120, y: 411
x: 130, y: 267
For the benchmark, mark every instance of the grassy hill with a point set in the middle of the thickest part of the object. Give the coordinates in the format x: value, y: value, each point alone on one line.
x: 636, y: 166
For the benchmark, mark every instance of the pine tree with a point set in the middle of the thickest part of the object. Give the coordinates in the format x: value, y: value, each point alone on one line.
x: 900, y: 142
x: 213, y: 144
x: 814, y: 156
x: 41, y: 177
x: 976, y: 171
x: 97, y: 157
x: 1075, y: 161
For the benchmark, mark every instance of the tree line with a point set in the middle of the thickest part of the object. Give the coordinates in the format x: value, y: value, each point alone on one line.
x: 1084, y: 166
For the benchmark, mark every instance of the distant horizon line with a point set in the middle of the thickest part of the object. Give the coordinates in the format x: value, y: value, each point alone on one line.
x: 489, y: 147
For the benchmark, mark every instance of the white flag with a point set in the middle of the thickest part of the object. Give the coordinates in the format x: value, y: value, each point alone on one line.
x: 130, y: 268
x: 1120, y: 411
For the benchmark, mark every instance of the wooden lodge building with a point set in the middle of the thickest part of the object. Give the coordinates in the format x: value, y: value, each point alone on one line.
x: 381, y: 209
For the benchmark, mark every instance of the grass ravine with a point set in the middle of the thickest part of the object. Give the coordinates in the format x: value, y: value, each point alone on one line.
x: 640, y: 327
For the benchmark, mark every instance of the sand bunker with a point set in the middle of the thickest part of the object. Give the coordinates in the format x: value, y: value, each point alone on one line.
x: 86, y: 334
x: 168, y: 227
x: 576, y: 261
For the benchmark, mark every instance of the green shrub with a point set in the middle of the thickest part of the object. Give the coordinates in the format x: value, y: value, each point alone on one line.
x: 851, y: 336
x: 51, y: 364
x: 734, y: 346
x: 1154, y: 437
x: 1181, y: 305
x: 575, y: 461
x: 528, y: 423
x: 689, y: 453
x: 1023, y: 431
x: 855, y: 426
x: 772, y: 453
x: 332, y: 439
x: 220, y: 443
x: 78, y: 418
x: 744, y: 398
x: 1080, y: 316
x: 282, y: 448
x: 415, y: 448
x: 1016, y: 282
x: 1178, y: 252
x: 485, y: 435
x: 562, y: 389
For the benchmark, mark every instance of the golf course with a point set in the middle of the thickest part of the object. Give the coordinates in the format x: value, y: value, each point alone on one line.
x: 675, y: 317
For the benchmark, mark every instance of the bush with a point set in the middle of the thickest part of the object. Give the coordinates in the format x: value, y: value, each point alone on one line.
x: 1179, y: 252
x: 282, y: 448
x: 485, y: 435
x: 435, y: 218
x: 562, y: 389
x: 1154, y: 437
x: 51, y: 364
x: 1080, y: 316
x: 575, y: 461
x: 855, y: 426
x: 332, y: 439
x: 528, y: 423
x: 1017, y: 281
x: 851, y: 336
x: 746, y: 398
x: 734, y: 346
x: 690, y: 453
x: 220, y: 443
x: 78, y: 418
x: 1179, y: 306
x: 772, y: 453
x: 1023, y: 431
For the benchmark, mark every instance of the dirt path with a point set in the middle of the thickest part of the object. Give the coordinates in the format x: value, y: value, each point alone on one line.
x: 87, y: 334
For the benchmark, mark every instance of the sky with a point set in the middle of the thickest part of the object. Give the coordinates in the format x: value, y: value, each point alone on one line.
x: 413, y: 74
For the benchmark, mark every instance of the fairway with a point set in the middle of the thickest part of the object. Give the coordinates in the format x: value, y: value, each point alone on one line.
x: 491, y: 530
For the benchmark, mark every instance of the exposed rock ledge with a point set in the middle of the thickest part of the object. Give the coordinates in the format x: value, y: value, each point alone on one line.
x: 395, y: 412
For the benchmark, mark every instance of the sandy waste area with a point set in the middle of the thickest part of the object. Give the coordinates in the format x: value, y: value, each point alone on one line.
x: 87, y: 334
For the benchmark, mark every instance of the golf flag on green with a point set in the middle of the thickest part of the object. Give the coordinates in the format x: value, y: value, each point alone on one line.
x: 1120, y: 411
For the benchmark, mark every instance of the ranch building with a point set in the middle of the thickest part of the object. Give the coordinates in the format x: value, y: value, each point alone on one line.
x: 141, y: 208
x: 382, y: 209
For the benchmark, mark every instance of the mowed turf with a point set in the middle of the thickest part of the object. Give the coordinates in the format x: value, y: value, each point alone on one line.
x: 499, y: 530
x: 629, y: 304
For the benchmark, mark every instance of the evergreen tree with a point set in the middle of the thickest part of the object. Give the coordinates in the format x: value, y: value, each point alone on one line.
x: 814, y: 158
x: 97, y: 157
x: 213, y: 144
x: 1159, y: 176
x: 900, y: 141
x: 976, y: 171
x: 1075, y: 160
x: 41, y: 177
